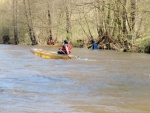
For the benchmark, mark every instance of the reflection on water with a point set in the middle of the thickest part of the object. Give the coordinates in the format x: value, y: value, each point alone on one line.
x: 98, y: 82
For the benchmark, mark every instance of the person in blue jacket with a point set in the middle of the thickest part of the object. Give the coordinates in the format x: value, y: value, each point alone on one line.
x: 94, y: 44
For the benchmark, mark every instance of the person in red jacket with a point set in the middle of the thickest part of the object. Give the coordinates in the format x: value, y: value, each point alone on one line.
x: 50, y: 41
x: 66, y: 48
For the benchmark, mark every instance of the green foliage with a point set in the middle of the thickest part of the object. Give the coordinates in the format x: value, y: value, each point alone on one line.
x: 144, y: 45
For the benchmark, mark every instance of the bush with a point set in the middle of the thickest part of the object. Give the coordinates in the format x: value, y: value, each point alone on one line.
x: 144, y: 45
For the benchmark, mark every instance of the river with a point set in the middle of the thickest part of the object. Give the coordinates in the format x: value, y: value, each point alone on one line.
x: 100, y: 81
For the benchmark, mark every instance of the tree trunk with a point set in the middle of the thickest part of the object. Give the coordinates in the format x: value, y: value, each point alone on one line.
x: 29, y: 22
x: 15, y: 21
x: 133, y: 13
x: 124, y: 19
x: 100, y: 20
x: 49, y: 21
x: 50, y: 25
x: 68, y: 23
x: 108, y: 21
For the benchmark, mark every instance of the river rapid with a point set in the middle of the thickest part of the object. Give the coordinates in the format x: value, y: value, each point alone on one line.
x: 98, y: 82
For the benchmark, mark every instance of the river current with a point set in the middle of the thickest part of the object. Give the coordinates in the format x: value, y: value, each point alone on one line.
x: 100, y: 81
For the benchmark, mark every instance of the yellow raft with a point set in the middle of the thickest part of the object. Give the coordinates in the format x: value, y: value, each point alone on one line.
x: 49, y: 54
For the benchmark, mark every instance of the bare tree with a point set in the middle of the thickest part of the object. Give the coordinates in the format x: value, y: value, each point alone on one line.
x: 49, y: 21
x: 133, y: 13
x: 124, y: 19
x: 68, y: 19
x: 15, y: 21
x: 100, y: 12
x: 28, y: 14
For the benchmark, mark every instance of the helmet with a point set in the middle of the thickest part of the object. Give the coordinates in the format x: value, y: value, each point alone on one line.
x: 65, y: 42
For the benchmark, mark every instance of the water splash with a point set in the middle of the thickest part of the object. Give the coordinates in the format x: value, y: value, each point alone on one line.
x: 85, y: 59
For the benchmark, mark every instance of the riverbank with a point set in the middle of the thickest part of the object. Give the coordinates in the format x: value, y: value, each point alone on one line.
x: 142, y: 45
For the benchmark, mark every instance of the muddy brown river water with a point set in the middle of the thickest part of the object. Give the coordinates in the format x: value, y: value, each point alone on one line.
x: 99, y: 82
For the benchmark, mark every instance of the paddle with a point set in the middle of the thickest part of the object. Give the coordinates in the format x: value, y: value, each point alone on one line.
x: 73, y: 56
x: 69, y: 56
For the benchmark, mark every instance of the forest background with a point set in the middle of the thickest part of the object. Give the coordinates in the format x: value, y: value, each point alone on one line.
x: 115, y: 24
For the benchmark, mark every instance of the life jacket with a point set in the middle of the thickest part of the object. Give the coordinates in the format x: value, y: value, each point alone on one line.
x: 69, y: 48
